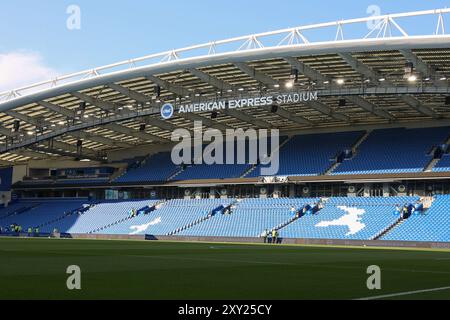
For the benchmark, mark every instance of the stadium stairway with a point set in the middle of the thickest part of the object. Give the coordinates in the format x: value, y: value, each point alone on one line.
x: 427, y: 202
x: 354, y: 148
x: 398, y: 222
x: 201, y: 220
x: 173, y: 176
x: 62, y: 217
x: 144, y: 210
x: 20, y: 211
x: 431, y: 165
x: 294, y: 219
x: 256, y: 166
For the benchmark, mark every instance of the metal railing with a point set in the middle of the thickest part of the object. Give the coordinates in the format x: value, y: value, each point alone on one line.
x: 383, y: 26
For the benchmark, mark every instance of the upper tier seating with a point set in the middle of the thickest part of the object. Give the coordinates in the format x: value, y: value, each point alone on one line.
x: 222, y: 171
x: 158, y: 167
x: 433, y: 225
x: 443, y: 165
x: 312, y: 154
x: 250, y: 218
x: 171, y: 216
x: 348, y: 218
x: 394, y: 151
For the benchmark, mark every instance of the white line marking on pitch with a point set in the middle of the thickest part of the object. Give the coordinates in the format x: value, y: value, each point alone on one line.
x: 404, y: 293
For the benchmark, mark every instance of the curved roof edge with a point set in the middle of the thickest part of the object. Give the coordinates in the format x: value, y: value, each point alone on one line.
x: 293, y: 42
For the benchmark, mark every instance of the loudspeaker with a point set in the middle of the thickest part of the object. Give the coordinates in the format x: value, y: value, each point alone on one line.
x: 214, y: 115
x: 342, y: 103
x: 142, y: 127
x: 447, y: 101
x: 274, y: 108
x: 79, y: 143
x: 16, y: 125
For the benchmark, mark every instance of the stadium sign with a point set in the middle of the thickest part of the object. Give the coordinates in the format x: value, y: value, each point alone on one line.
x: 167, y: 110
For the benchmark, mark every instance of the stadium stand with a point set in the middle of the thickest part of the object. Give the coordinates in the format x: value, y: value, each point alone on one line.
x: 249, y: 218
x: 443, y: 165
x: 352, y: 218
x: 158, y: 167
x: 97, y: 216
x: 433, y: 225
x: 36, y: 213
x: 348, y: 218
x: 394, y: 151
x: 217, y: 171
x: 170, y: 217
x: 312, y: 154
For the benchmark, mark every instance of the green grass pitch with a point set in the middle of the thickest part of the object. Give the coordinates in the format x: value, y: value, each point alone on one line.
x: 36, y: 269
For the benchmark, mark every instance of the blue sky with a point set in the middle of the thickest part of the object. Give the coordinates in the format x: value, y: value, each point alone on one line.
x: 112, y: 31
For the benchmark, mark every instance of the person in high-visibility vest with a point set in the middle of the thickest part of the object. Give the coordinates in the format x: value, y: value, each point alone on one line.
x: 274, y: 236
x: 30, y: 231
x: 264, y: 235
x: 36, y: 230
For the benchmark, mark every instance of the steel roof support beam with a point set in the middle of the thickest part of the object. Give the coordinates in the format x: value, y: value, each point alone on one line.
x: 134, y: 133
x: 206, y: 122
x: 80, y: 134
x: 213, y: 81
x: 306, y: 70
x: 65, y: 146
x: 269, y: 81
x: 259, y: 76
x: 423, y: 67
x: 140, y: 98
x: 416, y: 105
x: 165, y: 125
x: 375, y: 76
x: 110, y: 107
x: 105, y: 106
x: 58, y: 109
x: 219, y: 84
x: 100, y: 139
x: 31, y: 154
x: 233, y: 113
x: 283, y: 113
x: 64, y: 153
x: 370, y: 107
x: 180, y: 91
x: 316, y: 76
x: 323, y: 108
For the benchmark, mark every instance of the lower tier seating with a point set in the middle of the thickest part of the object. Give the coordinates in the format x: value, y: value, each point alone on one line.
x: 348, y: 218
x: 356, y: 218
x: 249, y: 218
x: 433, y: 225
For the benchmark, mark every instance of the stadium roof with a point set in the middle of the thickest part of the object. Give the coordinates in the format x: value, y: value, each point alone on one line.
x: 105, y: 107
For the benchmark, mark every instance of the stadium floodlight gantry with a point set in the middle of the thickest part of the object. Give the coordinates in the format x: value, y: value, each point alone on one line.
x: 382, y: 77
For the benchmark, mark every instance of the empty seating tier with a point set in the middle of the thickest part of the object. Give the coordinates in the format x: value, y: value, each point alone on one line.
x: 395, y: 151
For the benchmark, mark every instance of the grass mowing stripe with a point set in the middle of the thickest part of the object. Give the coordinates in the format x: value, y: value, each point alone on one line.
x: 189, y: 270
x: 407, y: 293
x: 214, y: 260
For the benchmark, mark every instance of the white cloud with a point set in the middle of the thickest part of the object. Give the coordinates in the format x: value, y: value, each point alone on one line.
x: 22, y: 68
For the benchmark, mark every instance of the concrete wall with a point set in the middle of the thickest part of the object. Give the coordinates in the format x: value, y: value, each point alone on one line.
x: 349, y: 243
